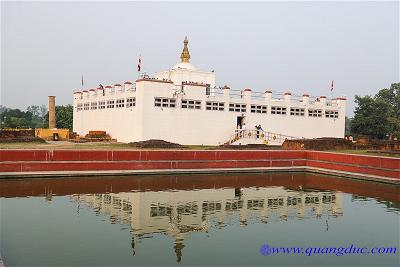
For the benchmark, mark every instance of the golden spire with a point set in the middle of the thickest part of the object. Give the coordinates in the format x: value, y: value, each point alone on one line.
x: 185, y: 56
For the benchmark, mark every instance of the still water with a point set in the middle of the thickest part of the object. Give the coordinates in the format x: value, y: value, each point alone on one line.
x: 196, y: 220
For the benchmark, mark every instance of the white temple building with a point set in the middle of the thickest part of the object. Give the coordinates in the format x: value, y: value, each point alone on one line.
x: 183, y: 105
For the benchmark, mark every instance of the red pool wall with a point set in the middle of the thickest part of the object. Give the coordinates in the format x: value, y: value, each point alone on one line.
x: 90, y: 160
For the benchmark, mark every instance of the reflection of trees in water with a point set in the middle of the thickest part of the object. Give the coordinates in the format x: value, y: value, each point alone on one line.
x: 359, y: 198
x: 391, y: 206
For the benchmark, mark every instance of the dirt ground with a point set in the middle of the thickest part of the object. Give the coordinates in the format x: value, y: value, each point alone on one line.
x: 91, y: 146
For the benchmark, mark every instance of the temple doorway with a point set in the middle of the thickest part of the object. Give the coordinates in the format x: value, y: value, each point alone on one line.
x: 239, y: 121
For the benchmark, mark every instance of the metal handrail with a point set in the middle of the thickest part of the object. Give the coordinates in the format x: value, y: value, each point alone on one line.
x: 258, y: 135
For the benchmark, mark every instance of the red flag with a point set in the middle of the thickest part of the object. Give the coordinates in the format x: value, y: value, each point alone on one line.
x: 332, y: 86
x: 139, y: 63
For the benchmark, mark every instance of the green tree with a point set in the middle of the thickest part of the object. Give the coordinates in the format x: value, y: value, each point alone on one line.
x: 15, y: 118
x: 38, y: 115
x: 378, y: 116
x: 64, y: 115
x: 392, y: 96
x: 43, y: 112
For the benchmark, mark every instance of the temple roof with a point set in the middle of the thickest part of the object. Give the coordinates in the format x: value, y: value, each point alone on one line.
x: 182, y: 65
x: 185, y: 58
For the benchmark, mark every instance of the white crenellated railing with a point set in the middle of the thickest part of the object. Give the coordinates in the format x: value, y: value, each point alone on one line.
x: 269, y: 96
x: 222, y: 94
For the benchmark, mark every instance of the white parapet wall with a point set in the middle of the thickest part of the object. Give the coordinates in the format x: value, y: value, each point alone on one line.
x: 191, y: 113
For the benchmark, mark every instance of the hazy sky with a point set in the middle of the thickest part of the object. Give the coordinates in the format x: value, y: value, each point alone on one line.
x: 297, y: 46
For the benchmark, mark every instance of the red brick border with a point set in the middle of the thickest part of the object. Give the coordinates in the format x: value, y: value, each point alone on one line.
x: 91, y: 160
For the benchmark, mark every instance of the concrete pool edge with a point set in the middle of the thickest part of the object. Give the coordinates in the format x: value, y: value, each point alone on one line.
x: 78, y: 174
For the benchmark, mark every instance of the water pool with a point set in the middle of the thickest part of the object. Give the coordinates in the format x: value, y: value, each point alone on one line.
x: 199, y: 220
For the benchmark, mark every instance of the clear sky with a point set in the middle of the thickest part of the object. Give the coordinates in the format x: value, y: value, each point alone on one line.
x: 296, y: 46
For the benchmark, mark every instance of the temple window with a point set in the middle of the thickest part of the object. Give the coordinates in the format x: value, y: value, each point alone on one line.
x: 93, y: 105
x: 315, y: 112
x: 237, y: 107
x: 258, y: 109
x: 297, y: 111
x: 215, y: 106
x: 102, y: 104
x: 164, y: 102
x: 191, y: 104
x: 278, y: 110
x: 130, y: 102
x: 110, y: 104
x: 331, y: 114
x: 120, y: 103
x: 79, y: 107
x: 208, y: 89
x: 86, y: 106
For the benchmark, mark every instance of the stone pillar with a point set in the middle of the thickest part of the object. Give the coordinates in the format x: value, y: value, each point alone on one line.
x: 306, y: 99
x: 268, y: 96
x: 287, y: 97
x: 85, y: 94
x: 109, y: 89
x: 226, y: 91
x: 128, y: 86
x: 322, y: 100
x: 117, y: 88
x: 247, y: 94
x: 92, y: 93
x: 268, y: 100
x: 52, y: 112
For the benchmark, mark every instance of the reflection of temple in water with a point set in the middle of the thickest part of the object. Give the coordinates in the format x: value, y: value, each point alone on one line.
x: 178, y: 213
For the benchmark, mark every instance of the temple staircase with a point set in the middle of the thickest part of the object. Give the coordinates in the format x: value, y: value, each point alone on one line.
x: 245, y: 137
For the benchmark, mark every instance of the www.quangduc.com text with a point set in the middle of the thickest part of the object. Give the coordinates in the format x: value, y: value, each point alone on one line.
x: 351, y: 249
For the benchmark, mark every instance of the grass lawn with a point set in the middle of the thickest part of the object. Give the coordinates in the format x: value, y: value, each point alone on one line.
x: 124, y: 146
x: 365, y: 152
x: 62, y: 145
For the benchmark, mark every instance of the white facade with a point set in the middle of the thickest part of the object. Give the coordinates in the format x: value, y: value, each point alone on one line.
x: 183, y: 105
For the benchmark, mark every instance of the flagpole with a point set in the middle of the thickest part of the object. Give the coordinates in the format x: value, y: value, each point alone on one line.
x: 139, y: 66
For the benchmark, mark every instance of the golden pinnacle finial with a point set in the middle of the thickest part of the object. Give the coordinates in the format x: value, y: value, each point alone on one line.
x: 185, y: 56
